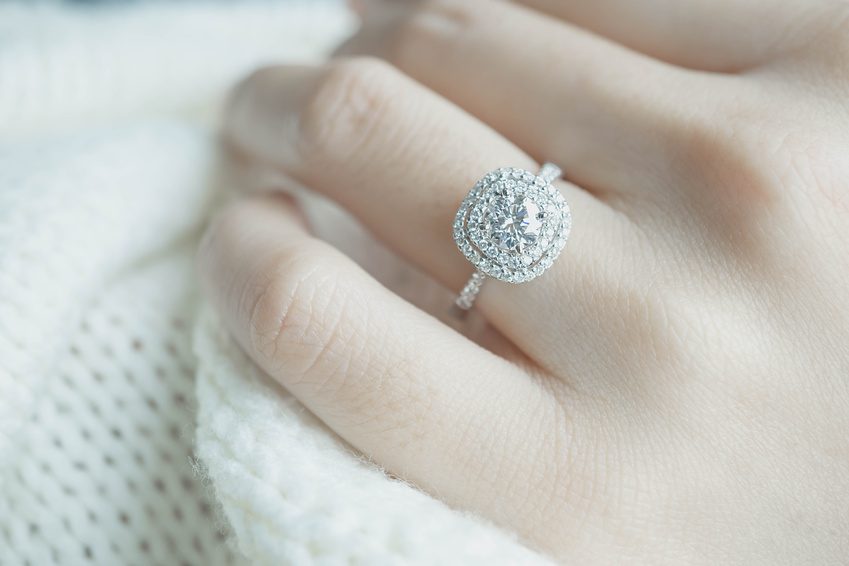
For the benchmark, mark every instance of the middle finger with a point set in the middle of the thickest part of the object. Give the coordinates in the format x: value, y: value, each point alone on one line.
x: 605, y: 113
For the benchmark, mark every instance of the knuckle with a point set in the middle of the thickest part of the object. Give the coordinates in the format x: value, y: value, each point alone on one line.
x: 735, y: 155
x: 286, y: 327
x: 307, y: 328
x: 344, y: 110
x: 312, y: 331
x: 748, y: 162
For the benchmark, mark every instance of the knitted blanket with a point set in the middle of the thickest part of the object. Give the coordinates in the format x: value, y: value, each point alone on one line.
x: 132, y: 429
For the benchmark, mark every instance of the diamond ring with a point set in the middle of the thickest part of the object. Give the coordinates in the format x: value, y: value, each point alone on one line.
x: 512, y: 226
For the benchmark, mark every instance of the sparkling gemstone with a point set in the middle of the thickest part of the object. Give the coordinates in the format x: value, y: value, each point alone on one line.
x: 514, y: 224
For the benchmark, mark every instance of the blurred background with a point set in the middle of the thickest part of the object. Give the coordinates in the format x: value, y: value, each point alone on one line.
x: 67, y: 65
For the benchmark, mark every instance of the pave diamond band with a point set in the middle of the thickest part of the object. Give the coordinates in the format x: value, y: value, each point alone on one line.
x: 511, y: 226
x: 467, y: 295
x: 549, y: 173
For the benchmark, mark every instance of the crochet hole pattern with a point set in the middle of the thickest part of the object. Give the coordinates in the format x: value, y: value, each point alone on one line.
x: 116, y: 487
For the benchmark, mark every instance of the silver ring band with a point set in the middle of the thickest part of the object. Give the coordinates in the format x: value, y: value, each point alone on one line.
x: 470, y: 291
x: 549, y: 173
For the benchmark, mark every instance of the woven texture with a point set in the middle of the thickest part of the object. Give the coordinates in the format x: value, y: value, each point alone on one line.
x: 132, y: 430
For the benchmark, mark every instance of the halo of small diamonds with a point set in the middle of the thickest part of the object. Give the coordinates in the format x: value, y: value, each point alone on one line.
x: 512, y: 225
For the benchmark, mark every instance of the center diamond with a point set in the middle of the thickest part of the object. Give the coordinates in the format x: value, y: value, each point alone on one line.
x: 514, y: 224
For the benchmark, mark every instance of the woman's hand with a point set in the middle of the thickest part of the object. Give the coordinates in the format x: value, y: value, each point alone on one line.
x: 675, y: 389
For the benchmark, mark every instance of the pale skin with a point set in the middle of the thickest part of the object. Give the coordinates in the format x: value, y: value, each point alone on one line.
x: 675, y: 389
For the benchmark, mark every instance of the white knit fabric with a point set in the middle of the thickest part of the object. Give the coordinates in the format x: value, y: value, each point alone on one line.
x: 132, y: 429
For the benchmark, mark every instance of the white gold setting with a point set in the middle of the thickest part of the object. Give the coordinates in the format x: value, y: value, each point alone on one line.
x: 512, y: 226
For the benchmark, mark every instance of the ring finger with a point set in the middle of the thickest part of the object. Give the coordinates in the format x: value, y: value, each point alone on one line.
x: 401, y: 159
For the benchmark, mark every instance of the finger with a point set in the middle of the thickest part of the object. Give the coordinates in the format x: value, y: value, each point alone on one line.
x: 410, y: 393
x: 728, y: 35
x: 608, y: 115
x: 402, y: 160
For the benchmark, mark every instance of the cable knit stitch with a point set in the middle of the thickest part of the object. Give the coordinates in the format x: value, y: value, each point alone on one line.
x: 108, y: 406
